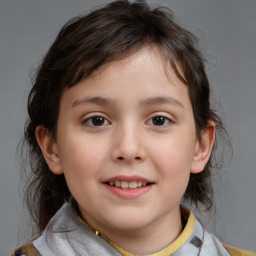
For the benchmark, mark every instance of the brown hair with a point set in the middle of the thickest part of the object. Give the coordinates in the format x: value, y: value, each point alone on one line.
x: 82, y: 46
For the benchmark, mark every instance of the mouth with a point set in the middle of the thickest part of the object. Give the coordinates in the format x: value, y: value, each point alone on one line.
x: 128, y: 184
x: 128, y: 187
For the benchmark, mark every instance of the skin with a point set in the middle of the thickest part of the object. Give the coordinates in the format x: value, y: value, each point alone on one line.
x: 129, y: 142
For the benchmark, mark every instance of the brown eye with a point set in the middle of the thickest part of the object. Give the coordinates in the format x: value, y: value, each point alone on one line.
x: 159, y: 121
x: 96, y: 121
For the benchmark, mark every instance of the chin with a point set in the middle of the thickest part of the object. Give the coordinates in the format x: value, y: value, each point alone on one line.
x: 130, y: 222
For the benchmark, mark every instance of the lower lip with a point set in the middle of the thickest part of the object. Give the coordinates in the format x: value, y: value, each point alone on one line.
x: 129, y: 193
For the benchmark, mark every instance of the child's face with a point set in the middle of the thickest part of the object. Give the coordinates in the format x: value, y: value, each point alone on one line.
x: 127, y: 124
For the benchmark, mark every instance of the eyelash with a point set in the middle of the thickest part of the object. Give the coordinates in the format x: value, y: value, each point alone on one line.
x: 89, y: 121
x: 102, y: 121
x: 167, y: 121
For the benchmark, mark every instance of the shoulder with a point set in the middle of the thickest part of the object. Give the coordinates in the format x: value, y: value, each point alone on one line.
x: 233, y: 251
x: 26, y: 250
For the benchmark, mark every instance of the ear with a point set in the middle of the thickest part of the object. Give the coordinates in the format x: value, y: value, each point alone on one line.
x: 203, y: 148
x: 49, y: 149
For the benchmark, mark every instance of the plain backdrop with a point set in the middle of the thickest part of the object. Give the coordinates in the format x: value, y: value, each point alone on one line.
x: 227, y: 31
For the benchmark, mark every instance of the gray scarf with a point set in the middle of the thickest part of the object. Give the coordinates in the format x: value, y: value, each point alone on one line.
x: 65, y: 235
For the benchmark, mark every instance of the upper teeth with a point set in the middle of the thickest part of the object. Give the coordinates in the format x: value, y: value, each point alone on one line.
x: 126, y: 184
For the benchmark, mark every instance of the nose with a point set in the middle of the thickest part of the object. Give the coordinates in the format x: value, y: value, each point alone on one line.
x: 128, y: 145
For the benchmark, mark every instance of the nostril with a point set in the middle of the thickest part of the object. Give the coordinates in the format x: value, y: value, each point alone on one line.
x: 137, y: 158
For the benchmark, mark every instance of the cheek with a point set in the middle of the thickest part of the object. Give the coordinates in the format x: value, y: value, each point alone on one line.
x: 173, y: 159
x: 174, y: 152
x: 82, y: 163
x: 82, y: 153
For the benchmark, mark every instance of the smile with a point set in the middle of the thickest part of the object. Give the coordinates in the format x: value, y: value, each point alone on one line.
x: 128, y: 184
x: 128, y: 187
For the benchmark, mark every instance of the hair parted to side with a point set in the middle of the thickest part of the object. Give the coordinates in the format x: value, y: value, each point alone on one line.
x: 85, y: 44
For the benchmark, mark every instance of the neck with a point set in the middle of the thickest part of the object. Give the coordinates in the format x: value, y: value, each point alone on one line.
x: 146, y: 240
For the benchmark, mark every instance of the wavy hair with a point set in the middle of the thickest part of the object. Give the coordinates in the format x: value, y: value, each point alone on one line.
x: 85, y: 44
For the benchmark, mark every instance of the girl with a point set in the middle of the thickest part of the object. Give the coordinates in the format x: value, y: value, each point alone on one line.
x: 120, y: 130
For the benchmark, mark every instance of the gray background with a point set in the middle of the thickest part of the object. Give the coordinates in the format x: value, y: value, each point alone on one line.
x: 227, y: 30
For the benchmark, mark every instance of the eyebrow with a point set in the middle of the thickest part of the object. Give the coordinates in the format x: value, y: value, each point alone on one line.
x: 161, y: 101
x: 93, y: 100
x: 147, y: 102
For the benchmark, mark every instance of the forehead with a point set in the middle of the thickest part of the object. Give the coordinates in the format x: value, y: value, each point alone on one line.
x: 149, y: 60
x: 143, y: 74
